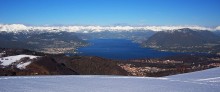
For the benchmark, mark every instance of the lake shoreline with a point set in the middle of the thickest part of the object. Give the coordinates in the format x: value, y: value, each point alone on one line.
x: 120, y: 49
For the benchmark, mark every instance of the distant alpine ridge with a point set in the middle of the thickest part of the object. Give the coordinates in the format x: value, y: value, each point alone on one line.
x: 88, y: 29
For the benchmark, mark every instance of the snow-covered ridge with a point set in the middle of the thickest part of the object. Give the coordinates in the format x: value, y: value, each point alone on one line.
x: 184, y: 30
x: 6, y: 61
x: 218, y: 28
x: 86, y: 29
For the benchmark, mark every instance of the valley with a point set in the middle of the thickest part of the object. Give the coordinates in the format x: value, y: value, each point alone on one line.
x: 108, y: 52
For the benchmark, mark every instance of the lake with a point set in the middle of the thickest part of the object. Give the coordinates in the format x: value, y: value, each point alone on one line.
x: 120, y: 49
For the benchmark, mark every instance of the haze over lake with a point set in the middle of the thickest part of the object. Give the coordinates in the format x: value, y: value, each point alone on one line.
x: 120, y: 49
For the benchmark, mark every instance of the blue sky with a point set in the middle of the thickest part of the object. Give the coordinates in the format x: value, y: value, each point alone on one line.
x: 110, y: 12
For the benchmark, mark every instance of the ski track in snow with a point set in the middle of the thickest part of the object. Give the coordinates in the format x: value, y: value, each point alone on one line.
x: 202, y: 81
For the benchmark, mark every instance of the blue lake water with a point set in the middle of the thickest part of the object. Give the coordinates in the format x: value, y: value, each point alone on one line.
x: 120, y: 49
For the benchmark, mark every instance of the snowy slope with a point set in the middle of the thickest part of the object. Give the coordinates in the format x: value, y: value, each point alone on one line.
x: 206, y: 77
x: 190, y: 82
x: 6, y: 61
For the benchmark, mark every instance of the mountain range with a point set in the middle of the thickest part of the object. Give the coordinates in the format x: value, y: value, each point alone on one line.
x: 89, y: 29
x: 66, y: 39
x: 41, y: 41
x: 183, y: 40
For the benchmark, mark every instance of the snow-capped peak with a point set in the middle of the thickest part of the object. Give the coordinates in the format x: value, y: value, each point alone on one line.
x: 13, y: 27
x: 87, y: 29
x: 218, y: 28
